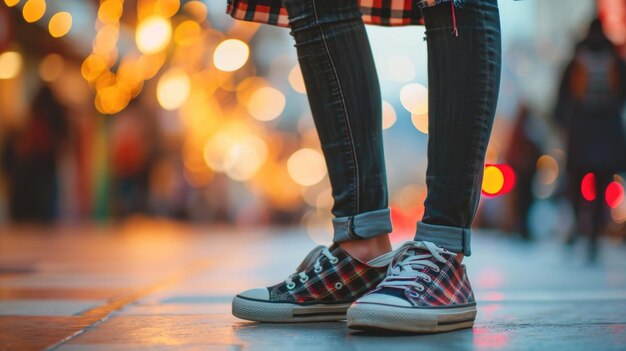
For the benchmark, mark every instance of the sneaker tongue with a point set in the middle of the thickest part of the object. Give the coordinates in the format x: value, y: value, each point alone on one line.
x: 417, y: 251
x: 310, y: 259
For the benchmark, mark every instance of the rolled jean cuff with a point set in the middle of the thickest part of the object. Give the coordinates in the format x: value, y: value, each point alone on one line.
x: 455, y: 239
x: 362, y: 226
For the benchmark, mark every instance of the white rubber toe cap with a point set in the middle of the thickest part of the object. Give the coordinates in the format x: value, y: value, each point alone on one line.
x: 384, y: 299
x: 257, y: 294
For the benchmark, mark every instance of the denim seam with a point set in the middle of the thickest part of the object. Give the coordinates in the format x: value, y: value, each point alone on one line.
x: 343, y: 105
x: 350, y: 228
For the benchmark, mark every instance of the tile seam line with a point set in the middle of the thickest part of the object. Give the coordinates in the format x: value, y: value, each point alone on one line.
x: 119, y: 304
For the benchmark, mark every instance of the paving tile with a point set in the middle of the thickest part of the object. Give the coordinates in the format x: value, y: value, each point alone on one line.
x: 37, y: 333
x: 176, y: 309
x: 161, y: 330
x: 13, y: 293
x: 197, y: 299
x: 46, y: 307
x: 78, y: 281
x: 131, y: 347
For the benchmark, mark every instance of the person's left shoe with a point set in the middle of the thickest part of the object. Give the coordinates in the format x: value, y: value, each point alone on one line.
x: 325, y: 284
x: 426, y: 290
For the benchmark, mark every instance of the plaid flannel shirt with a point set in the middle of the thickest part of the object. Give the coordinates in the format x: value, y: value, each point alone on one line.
x: 378, y: 12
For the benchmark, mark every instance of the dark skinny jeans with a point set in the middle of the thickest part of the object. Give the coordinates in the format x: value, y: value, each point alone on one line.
x: 345, y: 99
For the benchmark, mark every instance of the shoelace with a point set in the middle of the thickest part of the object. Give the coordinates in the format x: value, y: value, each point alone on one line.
x: 408, y: 271
x: 317, y: 268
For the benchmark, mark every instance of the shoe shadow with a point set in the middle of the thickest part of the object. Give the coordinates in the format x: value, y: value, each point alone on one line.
x: 337, y: 336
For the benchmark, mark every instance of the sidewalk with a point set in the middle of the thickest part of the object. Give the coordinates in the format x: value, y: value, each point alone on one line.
x: 165, y: 286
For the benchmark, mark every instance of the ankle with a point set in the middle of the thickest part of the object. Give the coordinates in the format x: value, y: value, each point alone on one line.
x: 459, y: 258
x: 367, y: 249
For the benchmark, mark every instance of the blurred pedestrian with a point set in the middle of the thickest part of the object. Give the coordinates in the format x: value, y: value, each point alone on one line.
x: 523, y: 151
x: 30, y: 160
x: 426, y: 289
x: 590, y: 101
x: 134, y: 151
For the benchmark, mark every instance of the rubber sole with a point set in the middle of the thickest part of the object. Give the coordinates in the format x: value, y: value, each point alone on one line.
x: 264, y: 311
x: 369, y: 316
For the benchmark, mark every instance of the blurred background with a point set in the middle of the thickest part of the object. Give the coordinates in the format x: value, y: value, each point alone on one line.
x: 114, y: 111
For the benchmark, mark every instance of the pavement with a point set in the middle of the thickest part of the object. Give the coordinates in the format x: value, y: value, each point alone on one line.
x: 158, y: 285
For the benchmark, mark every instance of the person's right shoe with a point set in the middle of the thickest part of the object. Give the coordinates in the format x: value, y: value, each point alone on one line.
x: 426, y: 290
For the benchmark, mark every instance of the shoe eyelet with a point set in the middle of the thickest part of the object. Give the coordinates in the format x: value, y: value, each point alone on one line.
x: 334, y: 260
x: 437, y: 269
x: 420, y: 288
x: 318, y: 269
x: 338, y: 285
x: 413, y: 294
x: 304, y: 279
x: 291, y: 286
x: 428, y: 280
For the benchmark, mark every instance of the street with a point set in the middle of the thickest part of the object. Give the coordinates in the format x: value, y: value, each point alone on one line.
x: 158, y: 285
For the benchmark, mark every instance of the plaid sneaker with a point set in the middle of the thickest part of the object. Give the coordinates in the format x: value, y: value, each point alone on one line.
x: 326, y: 283
x: 426, y: 290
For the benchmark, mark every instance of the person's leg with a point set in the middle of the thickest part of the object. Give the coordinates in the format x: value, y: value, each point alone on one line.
x: 344, y: 96
x: 427, y: 288
x: 574, y: 196
x: 598, y: 212
x: 464, y: 78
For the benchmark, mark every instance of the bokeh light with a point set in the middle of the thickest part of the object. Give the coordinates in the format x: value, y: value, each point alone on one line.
x: 151, y: 64
x: 187, y: 33
x: 236, y: 152
x: 246, y: 156
x: 106, y: 40
x: 547, y: 169
x: 51, y: 67
x: 618, y: 213
x: 588, y: 187
x: 10, y: 64
x: 306, y: 167
x: 112, y: 99
x: 197, y: 9
x: 60, y: 24
x: 389, y: 115
x: 93, y: 66
x: 614, y: 194
x: 110, y: 11
x: 166, y: 8
x: 493, y: 180
x: 266, y: 103
x: 153, y: 34
x: 230, y: 55
x: 296, y: 80
x: 318, y: 224
x: 11, y: 3
x: 414, y: 98
x: 33, y: 10
x: 216, y: 151
x: 498, y: 180
x: 325, y: 199
x: 173, y: 89
x: 420, y: 122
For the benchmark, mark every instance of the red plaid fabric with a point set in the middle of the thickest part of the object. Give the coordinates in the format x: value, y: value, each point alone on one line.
x: 340, y: 282
x: 447, y: 286
x: 377, y: 12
